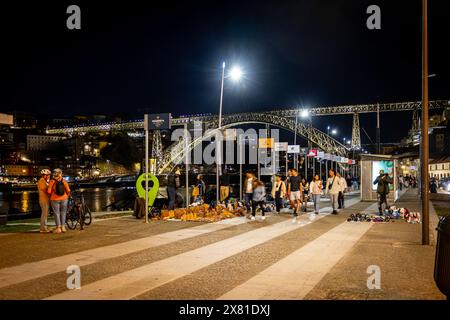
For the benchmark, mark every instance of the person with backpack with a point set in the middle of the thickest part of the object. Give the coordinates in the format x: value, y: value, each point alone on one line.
x: 278, y: 192
x: 44, y: 201
x: 59, y: 192
x: 258, y: 199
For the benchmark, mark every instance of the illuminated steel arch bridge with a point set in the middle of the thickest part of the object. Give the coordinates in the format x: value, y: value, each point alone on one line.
x: 281, y: 117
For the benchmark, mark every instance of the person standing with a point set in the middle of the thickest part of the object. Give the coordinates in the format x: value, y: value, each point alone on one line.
x: 315, y: 188
x: 224, y: 186
x: 59, y: 192
x: 201, y: 188
x: 400, y: 182
x: 258, y: 199
x: 383, y: 189
x: 173, y: 183
x: 278, y: 192
x: 44, y: 200
x: 304, y: 189
x: 332, y: 188
x: 294, y: 193
x: 343, y: 185
x: 433, y: 186
x: 248, y: 188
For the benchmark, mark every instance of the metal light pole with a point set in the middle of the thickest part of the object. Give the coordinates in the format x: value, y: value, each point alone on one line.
x: 295, y: 143
x: 425, y: 151
x: 218, y: 145
x: 187, y: 164
x: 146, y: 166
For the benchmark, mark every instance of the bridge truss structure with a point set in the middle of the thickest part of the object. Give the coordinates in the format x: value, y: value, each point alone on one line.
x: 281, y: 117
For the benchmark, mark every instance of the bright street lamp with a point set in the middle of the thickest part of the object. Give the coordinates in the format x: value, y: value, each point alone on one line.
x: 304, y: 113
x: 235, y: 74
x: 334, y: 132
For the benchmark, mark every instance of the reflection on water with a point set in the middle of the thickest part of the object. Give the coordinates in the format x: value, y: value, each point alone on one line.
x: 27, y: 202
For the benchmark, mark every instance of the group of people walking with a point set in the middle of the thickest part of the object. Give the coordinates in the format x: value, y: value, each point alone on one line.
x: 297, y: 190
x: 54, y: 192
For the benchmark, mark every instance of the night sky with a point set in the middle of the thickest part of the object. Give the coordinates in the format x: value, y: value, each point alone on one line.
x: 166, y: 56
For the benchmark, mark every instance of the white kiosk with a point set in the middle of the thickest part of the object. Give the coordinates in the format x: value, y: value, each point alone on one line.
x: 371, y: 164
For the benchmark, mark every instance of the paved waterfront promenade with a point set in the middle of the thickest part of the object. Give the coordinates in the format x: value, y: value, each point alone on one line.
x: 320, y: 258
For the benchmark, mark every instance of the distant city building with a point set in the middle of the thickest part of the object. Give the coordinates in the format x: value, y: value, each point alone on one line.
x: 41, y: 142
x: 440, y: 168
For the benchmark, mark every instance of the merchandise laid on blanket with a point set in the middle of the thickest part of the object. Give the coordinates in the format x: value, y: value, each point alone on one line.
x: 390, y: 215
x: 205, y: 213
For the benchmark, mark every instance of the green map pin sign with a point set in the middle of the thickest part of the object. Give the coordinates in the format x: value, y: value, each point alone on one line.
x: 153, y: 187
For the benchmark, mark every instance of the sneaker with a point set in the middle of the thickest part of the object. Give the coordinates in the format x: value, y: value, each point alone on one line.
x: 252, y: 218
x: 263, y: 218
x: 45, y: 230
x: 317, y: 212
x: 63, y: 229
x: 334, y: 212
x: 57, y: 230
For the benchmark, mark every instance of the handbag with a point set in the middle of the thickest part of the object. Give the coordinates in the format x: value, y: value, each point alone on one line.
x: 331, y: 184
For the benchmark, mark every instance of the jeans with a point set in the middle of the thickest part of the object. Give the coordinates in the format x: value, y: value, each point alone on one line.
x: 172, y: 195
x: 341, y: 200
x: 279, y: 204
x: 248, y: 199
x: 316, y: 200
x: 334, y: 200
x: 45, y: 206
x: 60, y: 211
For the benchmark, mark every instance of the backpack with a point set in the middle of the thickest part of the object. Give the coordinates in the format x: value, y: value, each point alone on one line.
x: 60, y: 189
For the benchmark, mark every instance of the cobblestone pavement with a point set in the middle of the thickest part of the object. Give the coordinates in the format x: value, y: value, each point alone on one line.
x: 319, y: 257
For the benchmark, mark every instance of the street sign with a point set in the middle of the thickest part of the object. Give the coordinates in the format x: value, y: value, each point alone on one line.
x: 303, y: 151
x: 334, y: 157
x: 159, y: 121
x: 281, y: 146
x: 312, y: 153
x: 327, y: 156
x: 293, y: 149
x: 321, y: 154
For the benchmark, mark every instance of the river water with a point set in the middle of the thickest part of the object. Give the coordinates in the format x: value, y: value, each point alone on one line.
x: 27, y: 202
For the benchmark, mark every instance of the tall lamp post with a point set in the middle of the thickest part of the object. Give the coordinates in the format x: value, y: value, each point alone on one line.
x: 304, y: 114
x: 235, y: 74
x: 424, y: 160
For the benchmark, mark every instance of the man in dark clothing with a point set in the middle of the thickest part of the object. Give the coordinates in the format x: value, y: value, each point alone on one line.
x: 433, y: 186
x: 383, y: 181
x: 173, y: 183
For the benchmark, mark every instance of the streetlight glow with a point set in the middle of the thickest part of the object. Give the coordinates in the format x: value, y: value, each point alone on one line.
x: 236, y: 74
x: 304, y: 113
x: 334, y: 132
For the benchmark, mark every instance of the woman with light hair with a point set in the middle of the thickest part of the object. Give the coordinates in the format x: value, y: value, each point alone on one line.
x: 59, y: 192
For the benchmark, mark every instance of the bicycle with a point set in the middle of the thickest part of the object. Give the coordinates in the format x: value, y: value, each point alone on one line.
x: 78, y: 212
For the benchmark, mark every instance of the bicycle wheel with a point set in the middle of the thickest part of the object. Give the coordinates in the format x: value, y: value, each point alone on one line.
x: 72, y: 219
x: 87, y: 215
